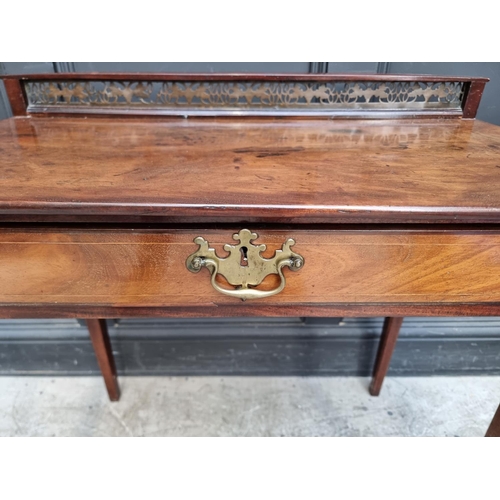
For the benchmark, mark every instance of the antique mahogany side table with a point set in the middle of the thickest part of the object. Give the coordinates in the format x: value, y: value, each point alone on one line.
x: 248, y: 195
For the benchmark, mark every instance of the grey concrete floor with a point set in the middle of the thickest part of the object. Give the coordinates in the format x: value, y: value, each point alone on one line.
x: 247, y: 406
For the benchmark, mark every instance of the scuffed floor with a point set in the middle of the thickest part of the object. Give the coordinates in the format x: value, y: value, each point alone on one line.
x: 247, y: 406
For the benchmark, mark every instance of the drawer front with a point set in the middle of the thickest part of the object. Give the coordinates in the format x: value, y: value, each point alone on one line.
x: 148, y: 268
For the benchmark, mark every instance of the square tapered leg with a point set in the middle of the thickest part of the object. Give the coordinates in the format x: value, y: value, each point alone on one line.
x: 388, y: 340
x: 98, y: 331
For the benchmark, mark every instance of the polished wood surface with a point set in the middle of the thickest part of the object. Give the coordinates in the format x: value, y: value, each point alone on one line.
x: 386, y: 347
x: 281, y: 171
x: 17, y: 98
x: 473, y: 95
x: 99, y: 337
x: 141, y: 268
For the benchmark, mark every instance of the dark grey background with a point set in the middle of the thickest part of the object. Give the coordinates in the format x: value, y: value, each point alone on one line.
x: 258, y: 346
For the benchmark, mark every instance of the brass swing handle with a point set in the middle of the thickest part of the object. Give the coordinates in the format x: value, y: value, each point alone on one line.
x: 244, y: 268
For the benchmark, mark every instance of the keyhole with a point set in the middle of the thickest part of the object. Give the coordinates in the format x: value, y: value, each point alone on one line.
x: 244, y: 258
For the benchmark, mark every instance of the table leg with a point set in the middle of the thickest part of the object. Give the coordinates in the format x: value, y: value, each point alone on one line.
x: 494, y: 428
x: 102, y: 346
x: 387, y: 343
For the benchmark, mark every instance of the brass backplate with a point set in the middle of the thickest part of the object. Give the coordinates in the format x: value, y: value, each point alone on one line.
x: 245, y: 267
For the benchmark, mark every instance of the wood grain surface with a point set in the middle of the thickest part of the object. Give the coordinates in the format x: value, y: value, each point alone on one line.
x: 281, y: 171
x: 147, y: 268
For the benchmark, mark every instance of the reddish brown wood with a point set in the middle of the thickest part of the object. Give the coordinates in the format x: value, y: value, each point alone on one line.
x: 160, y: 77
x: 494, y: 428
x: 145, y: 268
x: 102, y: 346
x: 409, y: 221
x: 261, y: 215
x: 387, y: 344
x: 472, y: 98
x: 16, y: 96
x: 248, y: 309
x: 283, y: 171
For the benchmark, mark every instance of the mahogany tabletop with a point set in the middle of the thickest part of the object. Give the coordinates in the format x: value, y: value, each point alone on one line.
x: 267, y: 170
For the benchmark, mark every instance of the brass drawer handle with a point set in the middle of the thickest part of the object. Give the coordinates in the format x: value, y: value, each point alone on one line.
x: 244, y: 268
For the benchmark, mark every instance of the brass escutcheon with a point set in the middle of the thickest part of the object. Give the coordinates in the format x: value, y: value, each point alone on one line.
x: 244, y: 268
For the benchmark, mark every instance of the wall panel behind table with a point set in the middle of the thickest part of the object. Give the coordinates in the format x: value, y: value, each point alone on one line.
x: 193, y: 67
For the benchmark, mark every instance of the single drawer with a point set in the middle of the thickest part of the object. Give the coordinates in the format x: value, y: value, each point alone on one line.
x: 147, y: 268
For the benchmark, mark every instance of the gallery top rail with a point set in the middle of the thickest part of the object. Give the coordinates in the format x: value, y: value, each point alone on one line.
x: 274, y: 95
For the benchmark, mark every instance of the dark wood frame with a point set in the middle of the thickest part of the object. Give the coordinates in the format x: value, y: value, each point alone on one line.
x: 99, y: 336
x: 251, y: 310
x: 473, y: 90
x: 387, y: 344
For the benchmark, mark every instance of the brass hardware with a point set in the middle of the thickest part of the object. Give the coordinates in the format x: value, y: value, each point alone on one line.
x: 241, y: 97
x: 244, y: 268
